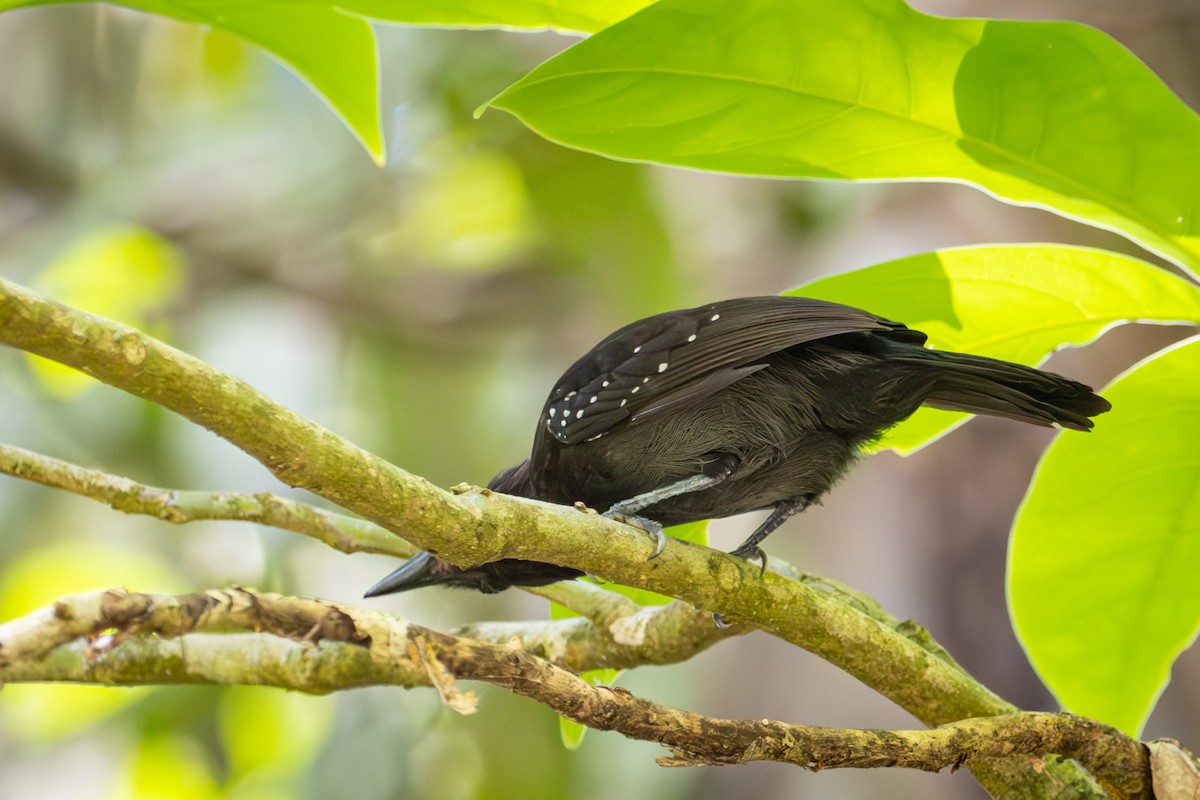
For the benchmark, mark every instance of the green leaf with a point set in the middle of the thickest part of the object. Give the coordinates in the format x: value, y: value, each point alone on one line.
x: 1106, y: 548
x: 562, y: 15
x: 572, y: 732
x: 331, y: 46
x: 1014, y: 302
x: 331, y: 50
x: 1048, y: 114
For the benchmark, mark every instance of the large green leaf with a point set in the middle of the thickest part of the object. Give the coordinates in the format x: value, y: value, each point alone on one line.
x: 1015, y: 302
x: 1048, y: 114
x: 562, y: 15
x: 330, y: 45
x: 331, y: 50
x: 1106, y: 549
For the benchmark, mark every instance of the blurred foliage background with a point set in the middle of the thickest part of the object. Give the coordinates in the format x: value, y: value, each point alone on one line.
x: 174, y: 179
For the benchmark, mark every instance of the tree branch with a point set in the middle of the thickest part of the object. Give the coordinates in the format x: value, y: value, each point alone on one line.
x: 313, y: 646
x: 479, y: 526
x: 177, y: 506
x: 1120, y: 764
x: 678, y: 629
x: 618, y: 633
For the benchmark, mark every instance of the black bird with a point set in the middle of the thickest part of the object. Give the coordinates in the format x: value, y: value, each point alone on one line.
x: 745, y: 404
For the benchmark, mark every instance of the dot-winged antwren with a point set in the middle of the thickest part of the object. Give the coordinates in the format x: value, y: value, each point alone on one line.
x: 736, y: 406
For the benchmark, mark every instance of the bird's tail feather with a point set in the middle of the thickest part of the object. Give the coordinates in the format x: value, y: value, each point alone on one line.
x: 981, y: 385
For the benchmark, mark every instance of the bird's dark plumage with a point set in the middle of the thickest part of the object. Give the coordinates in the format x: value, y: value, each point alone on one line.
x: 746, y: 404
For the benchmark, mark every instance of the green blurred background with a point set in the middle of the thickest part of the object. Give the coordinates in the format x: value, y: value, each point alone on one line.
x: 176, y: 180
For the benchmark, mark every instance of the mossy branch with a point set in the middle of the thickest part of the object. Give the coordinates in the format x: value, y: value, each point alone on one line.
x: 476, y: 526
x: 479, y: 526
x: 179, y: 506
x: 614, y: 631
x: 121, y: 638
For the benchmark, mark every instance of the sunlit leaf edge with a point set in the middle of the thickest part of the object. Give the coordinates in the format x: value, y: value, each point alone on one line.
x: 1136, y: 720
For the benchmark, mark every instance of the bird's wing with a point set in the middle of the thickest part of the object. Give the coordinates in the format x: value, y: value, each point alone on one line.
x: 670, y: 358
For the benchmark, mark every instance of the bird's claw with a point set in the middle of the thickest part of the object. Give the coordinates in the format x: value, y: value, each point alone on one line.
x: 720, y: 621
x: 648, y: 525
x: 752, y: 553
x: 660, y: 541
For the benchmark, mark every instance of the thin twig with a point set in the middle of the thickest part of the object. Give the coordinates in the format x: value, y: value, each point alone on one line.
x: 177, y: 506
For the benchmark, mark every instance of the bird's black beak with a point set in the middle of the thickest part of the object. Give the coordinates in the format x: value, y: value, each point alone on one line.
x: 414, y: 573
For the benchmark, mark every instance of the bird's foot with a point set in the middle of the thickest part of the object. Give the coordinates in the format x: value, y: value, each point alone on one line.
x: 648, y: 525
x: 748, y: 553
x: 752, y: 553
x: 720, y: 621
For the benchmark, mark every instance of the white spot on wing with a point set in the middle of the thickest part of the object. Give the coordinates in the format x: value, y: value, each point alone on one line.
x: 692, y: 338
x: 714, y: 317
x: 553, y: 411
x: 663, y: 367
x: 637, y: 349
x: 623, y: 401
x: 635, y: 390
x: 579, y: 413
x: 592, y: 399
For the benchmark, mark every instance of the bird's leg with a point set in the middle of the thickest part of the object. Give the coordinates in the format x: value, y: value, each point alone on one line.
x: 626, y: 510
x: 783, y: 511
x: 750, y: 549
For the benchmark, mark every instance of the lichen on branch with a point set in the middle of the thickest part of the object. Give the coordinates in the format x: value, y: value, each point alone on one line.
x: 117, y: 637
